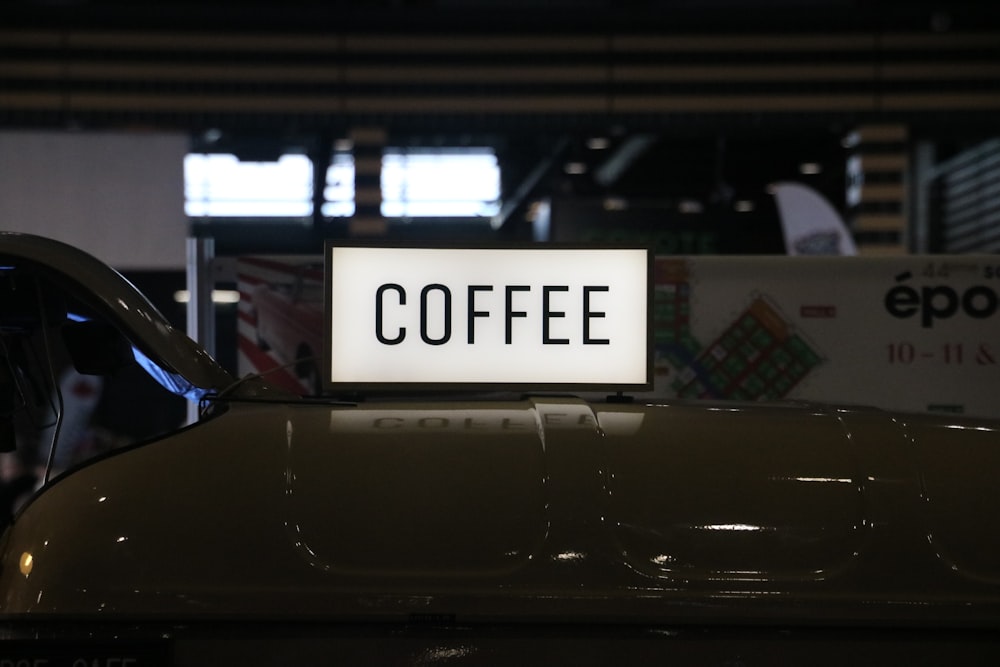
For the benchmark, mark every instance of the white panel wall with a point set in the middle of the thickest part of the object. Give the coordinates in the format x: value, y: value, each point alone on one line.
x: 119, y: 196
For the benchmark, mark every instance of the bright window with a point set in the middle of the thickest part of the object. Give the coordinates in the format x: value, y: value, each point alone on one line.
x: 440, y: 184
x: 455, y: 183
x: 443, y: 183
x: 221, y: 186
x: 338, y: 195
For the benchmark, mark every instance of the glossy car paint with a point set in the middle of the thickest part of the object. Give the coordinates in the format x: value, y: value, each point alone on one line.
x: 520, y: 528
x: 547, y: 508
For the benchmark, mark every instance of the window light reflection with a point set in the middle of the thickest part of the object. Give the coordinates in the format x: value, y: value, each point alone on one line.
x: 966, y: 427
x: 815, y: 480
x: 733, y: 527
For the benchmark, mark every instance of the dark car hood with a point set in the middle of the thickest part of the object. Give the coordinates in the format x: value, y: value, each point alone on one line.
x: 537, y: 508
x: 490, y: 490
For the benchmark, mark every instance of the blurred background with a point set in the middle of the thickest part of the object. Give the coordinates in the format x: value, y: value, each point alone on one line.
x: 126, y: 128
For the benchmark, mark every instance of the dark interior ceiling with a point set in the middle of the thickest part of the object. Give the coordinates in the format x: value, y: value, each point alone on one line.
x: 413, y: 66
x: 521, y: 15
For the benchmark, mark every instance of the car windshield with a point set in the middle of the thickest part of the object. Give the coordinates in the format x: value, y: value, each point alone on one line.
x: 72, y: 386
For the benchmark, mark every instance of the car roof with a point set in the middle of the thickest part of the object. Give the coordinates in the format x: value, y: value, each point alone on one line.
x: 113, y: 297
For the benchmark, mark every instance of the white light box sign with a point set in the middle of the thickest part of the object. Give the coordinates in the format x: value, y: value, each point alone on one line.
x: 518, y: 317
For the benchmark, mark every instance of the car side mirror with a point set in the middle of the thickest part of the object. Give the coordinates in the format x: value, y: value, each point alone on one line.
x: 97, y: 348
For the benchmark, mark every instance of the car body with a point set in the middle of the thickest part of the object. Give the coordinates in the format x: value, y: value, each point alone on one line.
x: 472, y: 529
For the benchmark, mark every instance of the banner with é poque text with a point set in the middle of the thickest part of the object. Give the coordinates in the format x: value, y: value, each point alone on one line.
x: 918, y: 333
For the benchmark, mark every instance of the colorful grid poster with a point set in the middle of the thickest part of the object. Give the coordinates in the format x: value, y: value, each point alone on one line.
x: 918, y: 334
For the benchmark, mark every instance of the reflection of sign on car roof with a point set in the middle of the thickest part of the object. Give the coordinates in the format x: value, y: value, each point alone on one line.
x: 494, y: 421
x: 514, y: 317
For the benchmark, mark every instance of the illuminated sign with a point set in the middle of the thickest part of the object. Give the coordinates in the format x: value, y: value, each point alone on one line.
x: 520, y: 317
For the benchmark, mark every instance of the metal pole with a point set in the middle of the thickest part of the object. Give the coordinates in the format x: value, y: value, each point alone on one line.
x: 200, y: 310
